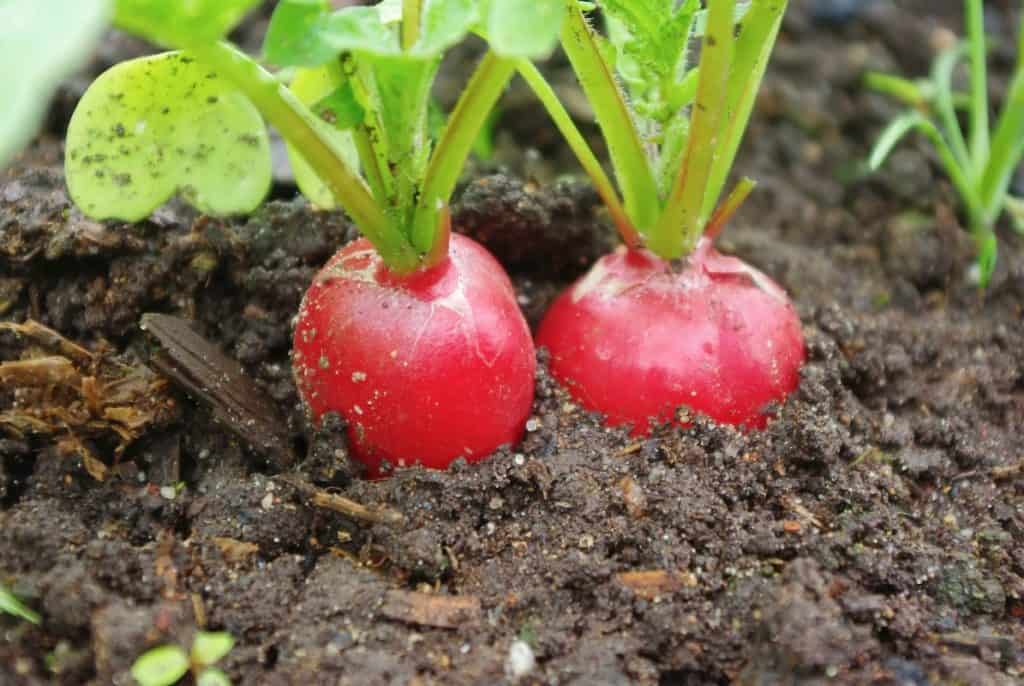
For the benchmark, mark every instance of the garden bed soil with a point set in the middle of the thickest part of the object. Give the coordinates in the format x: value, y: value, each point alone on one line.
x: 874, y: 533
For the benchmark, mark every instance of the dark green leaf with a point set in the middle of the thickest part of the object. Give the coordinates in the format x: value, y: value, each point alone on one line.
x: 155, y: 126
x: 52, y: 38
x: 180, y: 23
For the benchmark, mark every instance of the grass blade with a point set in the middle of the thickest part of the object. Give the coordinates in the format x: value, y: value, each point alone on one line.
x: 974, y: 14
x: 943, y: 99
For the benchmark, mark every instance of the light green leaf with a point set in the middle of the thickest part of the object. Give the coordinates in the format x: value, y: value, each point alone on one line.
x: 524, y: 28
x: 390, y: 11
x: 162, y: 666
x: 10, y: 604
x: 359, y: 29
x: 152, y: 127
x: 893, y: 134
x: 179, y: 23
x: 293, y: 37
x: 43, y: 42
x: 312, y: 86
x: 210, y: 646
x: 445, y: 23
x: 213, y: 677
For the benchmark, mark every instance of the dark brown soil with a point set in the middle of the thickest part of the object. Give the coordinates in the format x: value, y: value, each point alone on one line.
x: 873, y: 534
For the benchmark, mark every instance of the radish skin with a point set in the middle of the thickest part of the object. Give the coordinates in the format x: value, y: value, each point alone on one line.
x: 637, y: 340
x: 425, y: 368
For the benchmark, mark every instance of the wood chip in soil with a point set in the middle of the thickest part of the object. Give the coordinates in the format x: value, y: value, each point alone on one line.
x: 426, y: 609
x: 215, y: 380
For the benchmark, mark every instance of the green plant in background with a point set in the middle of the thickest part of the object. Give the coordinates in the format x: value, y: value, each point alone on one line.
x: 10, y: 604
x: 167, y: 664
x: 981, y: 161
x: 42, y: 42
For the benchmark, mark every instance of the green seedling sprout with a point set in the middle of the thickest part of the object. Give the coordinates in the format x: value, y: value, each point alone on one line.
x: 44, y: 41
x: 167, y: 664
x: 355, y: 118
x: 980, y: 164
x: 10, y: 604
x: 670, y: 169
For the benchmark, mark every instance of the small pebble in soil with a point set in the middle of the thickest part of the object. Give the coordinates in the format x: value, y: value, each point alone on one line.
x: 520, y: 660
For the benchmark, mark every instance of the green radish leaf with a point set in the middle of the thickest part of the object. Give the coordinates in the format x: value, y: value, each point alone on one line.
x: 305, y: 33
x: 294, y: 35
x: 210, y: 646
x: 44, y: 42
x: 179, y: 23
x: 650, y: 38
x: 213, y: 677
x: 524, y: 28
x: 403, y: 88
x: 314, y: 86
x: 10, y: 604
x: 162, y: 666
x: 155, y: 126
x: 341, y: 108
x: 445, y: 23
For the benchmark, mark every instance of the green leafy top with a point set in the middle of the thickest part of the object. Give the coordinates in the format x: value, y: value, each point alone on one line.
x: 670, y: 168
x: 360, y: 101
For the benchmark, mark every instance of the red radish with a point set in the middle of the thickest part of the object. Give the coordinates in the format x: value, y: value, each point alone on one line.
x: 425, y: 368
x: 636, y: 339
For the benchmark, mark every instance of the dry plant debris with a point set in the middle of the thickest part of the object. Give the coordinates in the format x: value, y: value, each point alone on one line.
x: 60, y: 390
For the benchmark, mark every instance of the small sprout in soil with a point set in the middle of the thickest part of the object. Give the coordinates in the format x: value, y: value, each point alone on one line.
x: 666, y: 321
x: 168, y: 664
x: 44, y: 42
x: 411, y: 334
x: 981, y: 163
x: 10, y: 604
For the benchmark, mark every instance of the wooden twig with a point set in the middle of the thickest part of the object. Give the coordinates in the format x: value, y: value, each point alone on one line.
x: 318, y: 497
